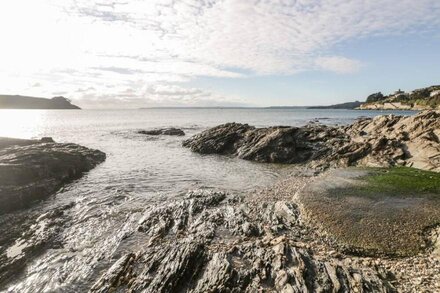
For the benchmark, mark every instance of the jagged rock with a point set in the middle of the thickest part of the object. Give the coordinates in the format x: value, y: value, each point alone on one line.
x: 414, y: 139
x: 29, y: 242
x: 163, y: 131
x: 34, y: 169
x: 214, y: 242
x: 382, y: 141
x: 273, y: 144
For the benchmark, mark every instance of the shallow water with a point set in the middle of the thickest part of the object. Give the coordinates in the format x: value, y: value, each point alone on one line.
x: 103, y: 207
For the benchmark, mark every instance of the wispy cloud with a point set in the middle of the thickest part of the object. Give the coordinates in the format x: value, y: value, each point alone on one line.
x: 158, y: 95
x: 73, y: 44
x: 338, y: 64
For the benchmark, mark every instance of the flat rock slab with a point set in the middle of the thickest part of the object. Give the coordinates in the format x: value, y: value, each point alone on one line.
x: 376, y: 211
x: 34, y: 169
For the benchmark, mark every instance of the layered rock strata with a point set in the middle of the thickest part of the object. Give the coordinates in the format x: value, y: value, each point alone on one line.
x: 382, y: 141
x: 31, y: 170
x: 214, y: 242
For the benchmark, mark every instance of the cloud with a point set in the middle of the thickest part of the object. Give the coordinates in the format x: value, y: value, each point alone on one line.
x: 135, y: 43
x: 159, y: 95
x: 338, y: 64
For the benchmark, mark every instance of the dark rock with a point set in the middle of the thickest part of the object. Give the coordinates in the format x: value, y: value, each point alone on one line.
x: 47, y: 139
x: 273, y: 144
x: 163, y: 131
x: 32, y: 170
x: 390, y: 140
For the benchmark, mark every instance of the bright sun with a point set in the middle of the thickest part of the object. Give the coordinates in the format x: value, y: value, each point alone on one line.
x: 21, y: 123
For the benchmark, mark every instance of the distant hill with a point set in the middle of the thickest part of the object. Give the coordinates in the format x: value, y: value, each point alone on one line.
x: 23, y: 102
x: 419, y: 99
x: 348, y: 105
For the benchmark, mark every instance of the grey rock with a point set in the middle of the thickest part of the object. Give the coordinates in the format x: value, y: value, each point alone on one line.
x: 32, y: 170
x: 382, y: 141
x: 201, y: 244
x: 163, y: 131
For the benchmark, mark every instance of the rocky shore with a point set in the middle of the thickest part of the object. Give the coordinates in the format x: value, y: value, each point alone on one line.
x: 353, y: 216
x: 215, y: 242
x: 210, y: 241
x: 31, y: 170
x: 300, y: 235
x: 383, y: 141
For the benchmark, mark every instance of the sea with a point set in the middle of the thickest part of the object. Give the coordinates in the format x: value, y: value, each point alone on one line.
x: 139, y: 171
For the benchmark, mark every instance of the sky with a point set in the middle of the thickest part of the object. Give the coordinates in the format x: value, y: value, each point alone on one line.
x: 152, y: 53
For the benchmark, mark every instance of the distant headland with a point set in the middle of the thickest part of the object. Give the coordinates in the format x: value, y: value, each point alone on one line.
x: 25, y: 102
x: 427, y: 98
x: 419, y: 99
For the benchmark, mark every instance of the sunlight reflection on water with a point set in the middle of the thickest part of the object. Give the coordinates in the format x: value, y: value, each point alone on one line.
x: 21, y: 123
x: 139, y: 171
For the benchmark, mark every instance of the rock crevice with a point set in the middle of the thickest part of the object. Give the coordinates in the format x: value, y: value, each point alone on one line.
x: 381, y: 141
x: 214, y: 242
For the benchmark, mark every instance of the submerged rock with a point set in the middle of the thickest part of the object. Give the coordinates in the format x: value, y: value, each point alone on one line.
x: 382, y: 141
x: 163, y: 131
x: 34, y: 169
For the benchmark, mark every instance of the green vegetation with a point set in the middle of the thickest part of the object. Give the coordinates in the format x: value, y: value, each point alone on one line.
x: 402, y: 181
x: 428, y: 97
x: 376, y: 97
x: 376, y: 211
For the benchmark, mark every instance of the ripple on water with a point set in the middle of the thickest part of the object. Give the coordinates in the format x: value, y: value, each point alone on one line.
x: 139, y: 171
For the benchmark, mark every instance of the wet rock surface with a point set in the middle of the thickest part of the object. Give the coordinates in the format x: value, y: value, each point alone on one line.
x: 214, y: 242
x: 381, y: 141
x: 31, y: 170
x: 163, y: 131
x: 19, y: 245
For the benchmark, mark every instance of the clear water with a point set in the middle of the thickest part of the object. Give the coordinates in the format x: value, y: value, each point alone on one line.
x: 139, y: 171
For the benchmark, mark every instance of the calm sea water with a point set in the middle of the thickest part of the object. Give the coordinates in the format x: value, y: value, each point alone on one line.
x: 139, y: 171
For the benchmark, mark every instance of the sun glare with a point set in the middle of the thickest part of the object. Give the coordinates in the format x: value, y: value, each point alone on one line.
x: 21, y: 123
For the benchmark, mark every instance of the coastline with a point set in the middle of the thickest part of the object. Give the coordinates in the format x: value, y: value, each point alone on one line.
x: 259, y: 240
x: 263, y: 239
x: 266, y: 239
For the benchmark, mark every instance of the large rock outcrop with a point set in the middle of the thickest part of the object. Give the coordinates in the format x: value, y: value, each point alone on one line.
x: 31, y: 170
x: 381, y: 141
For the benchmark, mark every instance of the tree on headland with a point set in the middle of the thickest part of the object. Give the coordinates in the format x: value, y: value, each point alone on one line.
x: 375, y: 97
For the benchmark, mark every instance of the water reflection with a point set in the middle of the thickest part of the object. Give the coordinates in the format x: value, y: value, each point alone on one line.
x: 21, y: 123
x: 102, y: 208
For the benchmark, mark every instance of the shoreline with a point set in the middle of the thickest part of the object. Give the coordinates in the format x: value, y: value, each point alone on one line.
x: 261, y: 226
x: 264, y: 239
